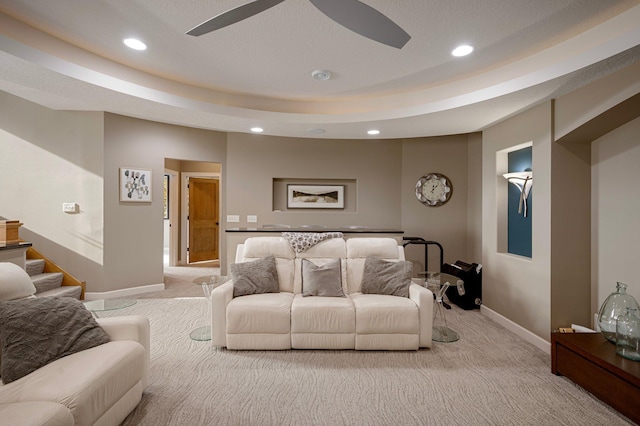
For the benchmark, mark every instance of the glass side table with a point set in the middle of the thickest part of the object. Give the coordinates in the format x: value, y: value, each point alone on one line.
x: 208, y: 283
x: 433, y: 281
x: 102, y: 305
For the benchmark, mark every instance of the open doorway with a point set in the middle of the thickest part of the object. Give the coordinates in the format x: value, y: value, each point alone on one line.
x: 197, y: 229
x: 171, y: 218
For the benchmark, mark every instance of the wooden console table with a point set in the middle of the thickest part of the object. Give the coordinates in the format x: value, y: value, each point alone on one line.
x: 590, y: 360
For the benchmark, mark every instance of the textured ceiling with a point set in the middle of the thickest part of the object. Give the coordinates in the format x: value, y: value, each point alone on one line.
x: 68, y: 54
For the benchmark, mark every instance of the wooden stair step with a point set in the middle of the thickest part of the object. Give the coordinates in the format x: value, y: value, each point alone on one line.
x: 49, y: 277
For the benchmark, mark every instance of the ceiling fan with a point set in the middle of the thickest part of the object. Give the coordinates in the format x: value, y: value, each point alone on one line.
x: 351, y: 14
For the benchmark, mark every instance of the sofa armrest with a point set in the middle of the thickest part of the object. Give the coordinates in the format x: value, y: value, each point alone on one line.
x: 130, y: 327
x: 35, y: 413
x: 239, y: 253
x: 220, y: 298
x: 423, y: 297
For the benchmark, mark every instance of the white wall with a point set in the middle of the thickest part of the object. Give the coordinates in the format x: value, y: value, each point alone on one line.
x: 47, y: 158
x: 615, y: 196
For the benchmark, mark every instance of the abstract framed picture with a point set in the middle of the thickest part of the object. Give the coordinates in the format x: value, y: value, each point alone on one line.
x: 135, y: 185
x: 315, y: 196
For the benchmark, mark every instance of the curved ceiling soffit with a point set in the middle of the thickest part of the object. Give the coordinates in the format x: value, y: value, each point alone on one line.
x: 597, y: 44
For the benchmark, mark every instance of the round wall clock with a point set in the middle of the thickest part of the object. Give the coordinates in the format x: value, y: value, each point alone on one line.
x: 433, y: 189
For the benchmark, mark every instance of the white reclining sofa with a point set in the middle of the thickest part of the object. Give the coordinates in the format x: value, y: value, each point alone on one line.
x: 286, y: 319
x: 96, y: 386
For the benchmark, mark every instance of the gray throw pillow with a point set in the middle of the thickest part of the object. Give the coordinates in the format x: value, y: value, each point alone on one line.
x: 255, y: 277
x: 325, y: 280
x: 35, y: 332
x: 385, y: 277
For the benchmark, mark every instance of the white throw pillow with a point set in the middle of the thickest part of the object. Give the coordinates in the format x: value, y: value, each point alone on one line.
x: 15, y: 283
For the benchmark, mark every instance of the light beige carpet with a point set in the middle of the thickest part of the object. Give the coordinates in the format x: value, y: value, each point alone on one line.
x: 489, y: 377
x: 180, y: 281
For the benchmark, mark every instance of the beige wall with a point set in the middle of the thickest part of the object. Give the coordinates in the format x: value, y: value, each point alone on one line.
x: 200, y: 167
x: 570, y: 234
x: 178, y: 220
x: 581, y: 106
x: 446, y: 224
x: 254, y: 161
x: 598, y: 125
x: 517, y: 287
x: 115, y: 245
x: 615, y: 211
x: 581, y: 244
x: 74, y: 157
x: 48, y: 158
x: 134, y: 232
x: 474, y: 198
x: 384, y: 171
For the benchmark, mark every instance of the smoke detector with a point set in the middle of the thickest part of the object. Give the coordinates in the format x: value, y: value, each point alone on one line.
x: 321, y: 75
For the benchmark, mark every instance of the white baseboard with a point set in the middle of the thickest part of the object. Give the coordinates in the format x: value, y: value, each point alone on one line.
x: 530, y: 337
x: 125, y: 292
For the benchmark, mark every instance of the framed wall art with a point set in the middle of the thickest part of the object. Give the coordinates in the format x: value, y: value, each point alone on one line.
x: 315, y: 196
x: 135, y: 185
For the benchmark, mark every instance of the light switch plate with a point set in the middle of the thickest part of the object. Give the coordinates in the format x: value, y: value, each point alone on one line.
x: 70, y: 207
x: 252, y: 218
x: 233, y: 218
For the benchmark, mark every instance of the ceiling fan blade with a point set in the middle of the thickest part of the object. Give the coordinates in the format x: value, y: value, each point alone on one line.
x: 232, y: 16
x: 364, y: 20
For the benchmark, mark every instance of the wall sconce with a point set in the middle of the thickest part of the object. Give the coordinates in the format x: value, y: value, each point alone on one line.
x: 524, y: 182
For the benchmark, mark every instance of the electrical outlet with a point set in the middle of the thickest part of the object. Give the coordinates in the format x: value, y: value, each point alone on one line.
x: 70, y: 207
x: 233, y: 218
x: 252, y: 218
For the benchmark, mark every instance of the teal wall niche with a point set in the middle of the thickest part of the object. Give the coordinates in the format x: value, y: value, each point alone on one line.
x: 519, y: 227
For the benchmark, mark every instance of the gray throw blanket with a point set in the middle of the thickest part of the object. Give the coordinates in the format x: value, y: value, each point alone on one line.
x: 301, y: 241
x: 35, y: 332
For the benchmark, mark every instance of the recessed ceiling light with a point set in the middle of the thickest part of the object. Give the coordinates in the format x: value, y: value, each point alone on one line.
x: 134, y: 43
x: 321, y: 75
x: 373, y: 132
x: 462, y: 50
x: 257, y: 129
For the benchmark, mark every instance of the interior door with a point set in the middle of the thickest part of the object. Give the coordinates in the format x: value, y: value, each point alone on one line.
x: 203, y: 219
